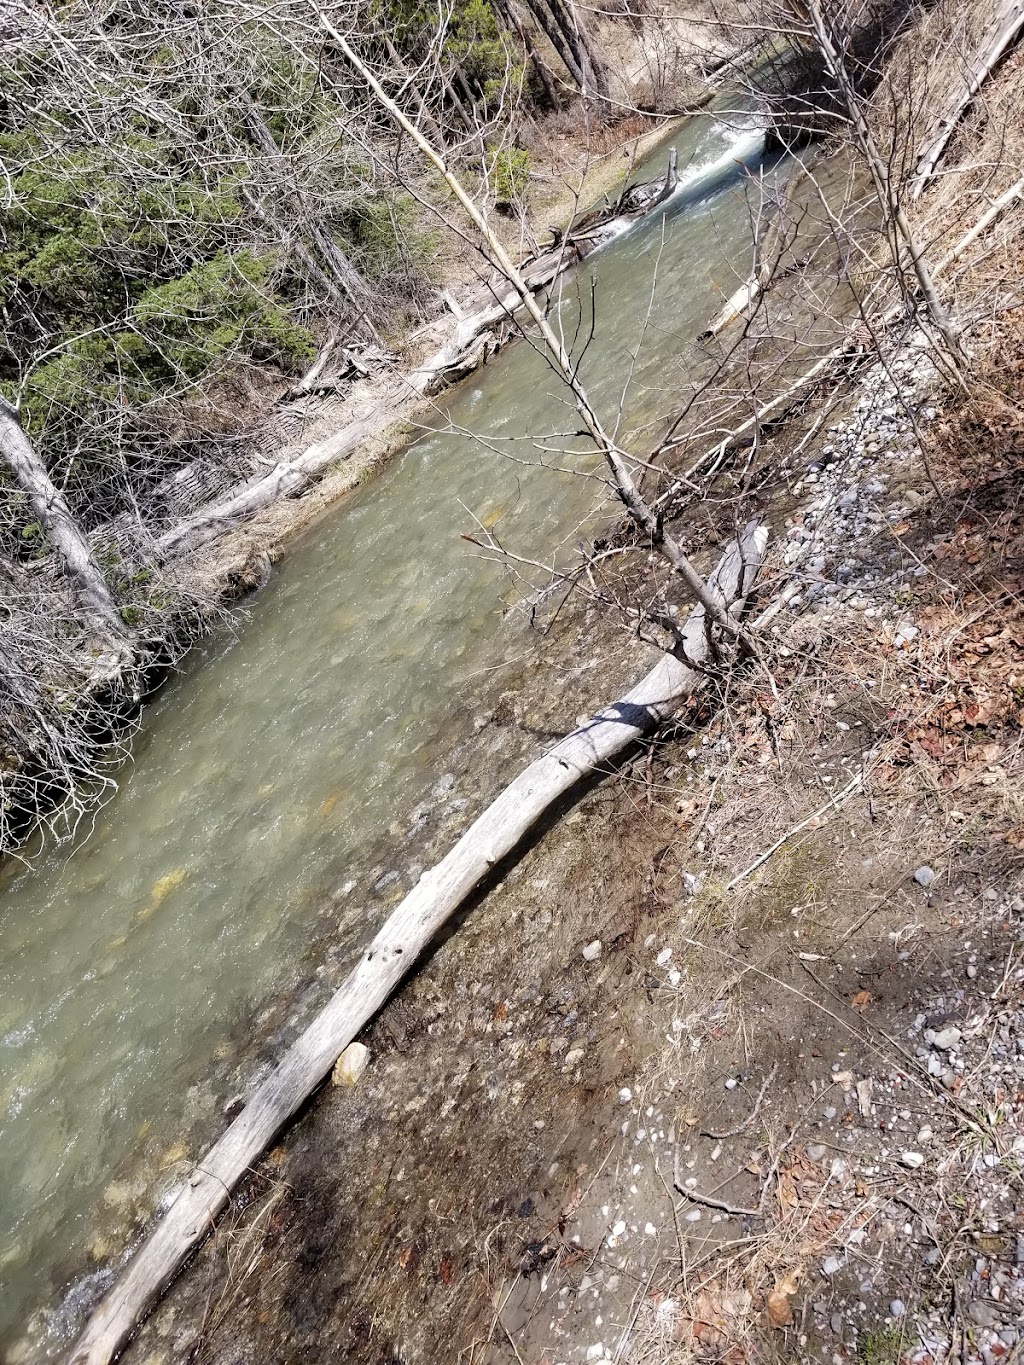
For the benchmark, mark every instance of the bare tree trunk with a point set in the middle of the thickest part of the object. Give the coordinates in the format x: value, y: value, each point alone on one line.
x: 556, y: 37
x: 398, y: 945
x: 348, y: 278
x: 506, y: 11
x: 401, y: 68
x: 576, y: 32
x: 886, y: 190
x: 50, y: 507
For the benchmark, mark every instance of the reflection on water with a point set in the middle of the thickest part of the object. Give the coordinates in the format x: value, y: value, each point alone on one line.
x: 270, y: 772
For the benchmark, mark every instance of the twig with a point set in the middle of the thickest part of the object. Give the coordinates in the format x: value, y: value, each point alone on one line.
x: 742, y: 1127
x: 831, y: 805
x: 708, y: 1199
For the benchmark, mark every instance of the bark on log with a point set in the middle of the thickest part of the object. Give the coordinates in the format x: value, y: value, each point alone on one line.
x: 99, y: 610
x: 395, y: 949
x: 1006, y: 28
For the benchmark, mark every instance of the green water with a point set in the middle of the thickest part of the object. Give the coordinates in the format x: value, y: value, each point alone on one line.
x: 272, y: 771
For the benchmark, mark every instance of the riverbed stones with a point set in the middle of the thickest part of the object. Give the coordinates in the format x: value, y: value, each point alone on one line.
x: 351, y: 1064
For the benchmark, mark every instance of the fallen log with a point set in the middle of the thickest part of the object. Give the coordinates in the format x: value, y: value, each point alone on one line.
x: 396, y: 948
x: 636, y: 201
x: 286, y: 479
x: 1006, y: 27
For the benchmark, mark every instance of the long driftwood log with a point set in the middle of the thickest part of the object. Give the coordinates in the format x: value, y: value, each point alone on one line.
x: 395, y: 949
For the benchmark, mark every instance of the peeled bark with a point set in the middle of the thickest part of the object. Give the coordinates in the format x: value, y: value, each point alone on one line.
x: 396, y: 948
x: 97, y: 605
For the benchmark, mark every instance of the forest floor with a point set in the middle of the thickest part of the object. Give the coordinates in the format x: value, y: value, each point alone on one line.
x: 729, y: 1064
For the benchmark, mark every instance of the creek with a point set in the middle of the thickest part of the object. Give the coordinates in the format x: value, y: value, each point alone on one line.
x: 272, y: 771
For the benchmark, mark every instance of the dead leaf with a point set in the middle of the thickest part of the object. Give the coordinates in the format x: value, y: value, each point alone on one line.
x: 779, y: 1310
x: 786, y: 1190
x: 861, y: 1001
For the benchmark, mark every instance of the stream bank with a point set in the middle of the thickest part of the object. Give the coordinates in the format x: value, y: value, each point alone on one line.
x: 594, y: 889
x: 642, y: 1016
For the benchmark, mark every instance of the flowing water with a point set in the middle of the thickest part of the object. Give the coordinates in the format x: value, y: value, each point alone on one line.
x: 271, y: 771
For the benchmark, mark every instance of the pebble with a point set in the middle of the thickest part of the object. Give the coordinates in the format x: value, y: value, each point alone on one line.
x: 943, y: 1039
x: 831, y: 1266
x: 592, y: 951
x: 351, y: 1064
x: 625, y: 1095
x: 983, y: 1313
x: 913, y: 1160
x: 897, y: 1308
x: 731, y: 1083
x: 574, y: 1056
x: 815, y: 1151
x: 924, y: 876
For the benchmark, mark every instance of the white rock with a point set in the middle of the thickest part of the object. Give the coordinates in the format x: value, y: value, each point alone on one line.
x: 592, y: 951
x: 573, y: 1056
x: 664, y: 957
x: 913, y: 1160
x: 351, y: 1064
x: 924, y: 876
x: 831, y: 1266
x: 943, y: 1039
x: 625, y: 1095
